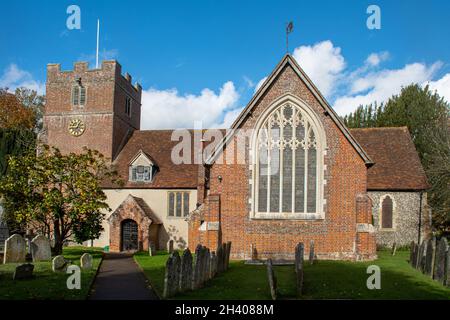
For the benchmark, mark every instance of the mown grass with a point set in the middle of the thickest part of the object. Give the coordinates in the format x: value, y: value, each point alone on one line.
x: 47, y: 285
x: 323, y: 280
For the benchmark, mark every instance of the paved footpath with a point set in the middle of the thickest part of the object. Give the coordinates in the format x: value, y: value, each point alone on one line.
x: 119, y: 278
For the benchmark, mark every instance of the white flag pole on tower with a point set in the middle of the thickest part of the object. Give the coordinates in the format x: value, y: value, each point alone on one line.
x: 98, y: 36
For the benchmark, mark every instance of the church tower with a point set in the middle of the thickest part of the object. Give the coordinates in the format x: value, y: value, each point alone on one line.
x: 97, y: 108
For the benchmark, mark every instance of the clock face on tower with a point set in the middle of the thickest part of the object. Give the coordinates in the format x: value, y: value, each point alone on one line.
x: 76, y: 127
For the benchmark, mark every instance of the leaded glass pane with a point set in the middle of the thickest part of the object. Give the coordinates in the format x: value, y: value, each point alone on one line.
x: 185, y: 203
x: 311, y: 192
x: 178, y: 205
x: 299, y: 180
x: 262, y: 178
x: 287, y: 180
x: 171, y: 204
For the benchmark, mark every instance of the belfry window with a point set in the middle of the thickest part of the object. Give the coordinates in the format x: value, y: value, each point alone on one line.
x: 78, y: 95
x: 288, y: 164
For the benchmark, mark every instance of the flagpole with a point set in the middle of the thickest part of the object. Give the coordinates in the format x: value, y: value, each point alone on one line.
x: 98, y: 36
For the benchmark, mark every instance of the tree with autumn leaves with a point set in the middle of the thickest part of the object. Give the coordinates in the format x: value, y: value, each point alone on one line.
x: 58, y: 195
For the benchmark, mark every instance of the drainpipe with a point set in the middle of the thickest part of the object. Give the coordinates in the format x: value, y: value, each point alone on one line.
x: 420, y: 217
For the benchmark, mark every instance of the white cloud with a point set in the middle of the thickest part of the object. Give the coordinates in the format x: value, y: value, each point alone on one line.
x: 381, y: 85
x: 323, y: 63
x: 168, y: 109
x: 374, y: 59
x: 442, y: 86
x: 13, y: 77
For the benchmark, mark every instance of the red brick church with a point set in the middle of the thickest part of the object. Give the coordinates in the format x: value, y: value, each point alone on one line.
x: 301, y: 175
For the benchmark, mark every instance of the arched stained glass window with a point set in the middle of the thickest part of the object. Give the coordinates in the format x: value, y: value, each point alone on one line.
x: 288, y: 153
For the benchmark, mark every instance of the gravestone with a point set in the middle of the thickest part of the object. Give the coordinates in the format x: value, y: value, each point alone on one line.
x: 272, y: 280
x: 172, y: 275
x: 170, y: 246
x: 23, y: 271
x: 213, y: 265
x: 207, y: 258
x: 186, y: 271
x: 440, y: 262
x: 15, y: 249
x: 220, y: 255
x: 197, y: 267
x: 86, y: 261
x: 394, y: 248
x: 299, y: 254
x: 228, y: 253
x: 311, y: 252
x: 412, y: 247
x: 151, y: 248
x: 420, y: 256
x: 429, y: 257
x: 40, y: 249
x: 59, y: 264
x: 4, y: 234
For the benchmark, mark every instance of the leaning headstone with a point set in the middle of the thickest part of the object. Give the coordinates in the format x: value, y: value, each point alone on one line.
x: 186, y: 271
x: 40, y: 249
x: 220, y: 255
x: 151, y: 248
x: 59, y: 264
x: 272, y: 280
x: 420, y: 256
x: 86, y: 261
x: 23, y: 271
x: 394, y: 248
x: 171, y: 277
x: 429, y: 257
x: 213, y: 265
x: 441, y: 257
x: 170, y: 246
x: 311, y: 252
x: 15, y: 249
x: 299, y: 254
x: 197, y: 267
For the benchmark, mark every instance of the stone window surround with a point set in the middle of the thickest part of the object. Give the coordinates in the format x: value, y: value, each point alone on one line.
x: 321, y: 152
x: 380, y: 212
x: 183, y: 215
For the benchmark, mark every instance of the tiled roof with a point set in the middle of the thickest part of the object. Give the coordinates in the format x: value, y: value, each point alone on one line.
x: 397, y: 164
x: 148, y: 211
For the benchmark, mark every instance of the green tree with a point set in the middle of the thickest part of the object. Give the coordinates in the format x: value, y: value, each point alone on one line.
x: 58, y: 195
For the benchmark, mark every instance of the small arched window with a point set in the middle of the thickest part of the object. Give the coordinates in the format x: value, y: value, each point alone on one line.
x: 289, y: 154
x: 387, y: 213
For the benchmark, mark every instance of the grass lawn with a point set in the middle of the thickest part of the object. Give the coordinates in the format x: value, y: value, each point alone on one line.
x: 46, y: 284
x: 324, y: 280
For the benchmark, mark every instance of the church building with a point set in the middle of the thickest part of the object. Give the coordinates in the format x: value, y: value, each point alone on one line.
x: 298, y: 175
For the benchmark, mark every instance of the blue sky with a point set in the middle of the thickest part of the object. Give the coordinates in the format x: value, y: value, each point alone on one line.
x: 202, y: 60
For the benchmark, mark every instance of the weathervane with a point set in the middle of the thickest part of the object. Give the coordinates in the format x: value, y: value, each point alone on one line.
x: 289, y: 29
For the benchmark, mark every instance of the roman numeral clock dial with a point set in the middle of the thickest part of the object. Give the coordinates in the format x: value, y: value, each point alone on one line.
x: 76, y: 127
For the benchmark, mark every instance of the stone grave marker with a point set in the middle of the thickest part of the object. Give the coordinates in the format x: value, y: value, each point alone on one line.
x: 441, y: 260
x: 207, y: 259
x: 59, y: 264
x: 220, y: 254
x: 228, y: 253
x: 412, y: 247
x: 40, y: 249
x: 311, y: 252
x: 394, y: 248
x: 272, y: 280
x: 86, y: 261
x: 420, y: 256
x: 186, y: 271
x: 213, y: 265
x: 299, y: 255
x: 171, y: 277
x: 23, y: 271
x: 429, y: 257
x: 197, y: 267
x: 15, y: 249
